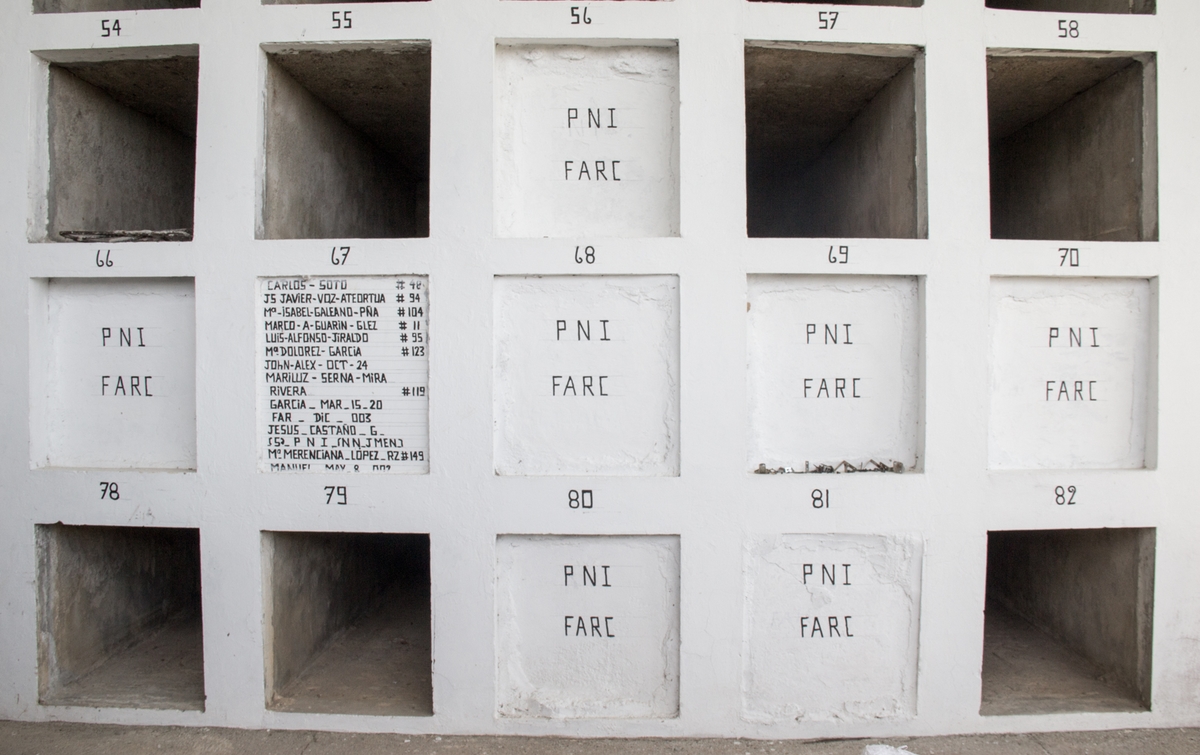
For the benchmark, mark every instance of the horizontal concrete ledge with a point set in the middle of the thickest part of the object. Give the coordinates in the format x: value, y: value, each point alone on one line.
x: 56, y: 737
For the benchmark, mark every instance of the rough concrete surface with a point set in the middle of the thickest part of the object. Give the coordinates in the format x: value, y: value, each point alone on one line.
x: 832, y: 143
x: 901, y: 3
x: 87, y: 6
x: 103, y: 594
x: 1077, y: 6
x: 1093, y: 589
x: 1026, y: 671
x: 329, y: 626
x: 122, y: 145
x: 1070, y: 154
x: 54, y: 738
x: 339, y: 162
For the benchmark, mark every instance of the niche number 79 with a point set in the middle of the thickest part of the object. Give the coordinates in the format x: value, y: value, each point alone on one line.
x: 335, y: 494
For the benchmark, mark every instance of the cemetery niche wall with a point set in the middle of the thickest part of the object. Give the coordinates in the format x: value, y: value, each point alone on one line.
x: 698, y: 368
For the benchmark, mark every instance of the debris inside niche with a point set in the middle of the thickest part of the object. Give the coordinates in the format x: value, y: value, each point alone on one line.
x: 842, y: 467
x: 118, y: 237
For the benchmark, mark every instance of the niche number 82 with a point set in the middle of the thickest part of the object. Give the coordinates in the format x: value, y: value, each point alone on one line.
x: 1064, y: 496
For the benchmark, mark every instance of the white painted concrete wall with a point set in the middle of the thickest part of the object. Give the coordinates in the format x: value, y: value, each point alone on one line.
x: 587, y: 141
x: 1071, y: 369
x: 586, y: 378
x: 121, y: 374
x: 587, y: 627
x: 834, y: 371
x: 673, y: 459
x: 831, y: 628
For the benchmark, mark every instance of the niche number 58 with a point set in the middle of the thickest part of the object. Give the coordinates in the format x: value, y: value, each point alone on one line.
x: 1068, y: 29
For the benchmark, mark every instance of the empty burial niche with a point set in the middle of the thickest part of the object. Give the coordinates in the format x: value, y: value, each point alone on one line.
x: 1073, y: 146
x: 586, y: 141
x: 1076, y: 6
x: 833, y: 624
x: 587, y: 627
x: 1068, y: 622
x: 347, y: 623
x: 1072, y: 373
x: 90, y: 6
x: 834, y: 141
x: 115, y: 373
x: 347, y: 142
x: 119, y: 620
x: 595, y: 352
x: 834, y: 373
x: 122, y: 147
x: 323, y: 2
x: 899, y: 3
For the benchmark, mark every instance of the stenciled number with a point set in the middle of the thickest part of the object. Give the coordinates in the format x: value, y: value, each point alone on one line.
x: 820, y: 498
x: 1068, y: 29
x: 338, y: 255
x: 1068, y: 256
x: 1064, y: 496
x: 579, y: 18
x: 827, y: 19
x: 839, y: 255
x: 579, y: 499
x: 110, y: 491
x: 335, y: 494
x: 342, y: 20
x: 110, y: 28
x: 585, y: 255
x: 106, y: 260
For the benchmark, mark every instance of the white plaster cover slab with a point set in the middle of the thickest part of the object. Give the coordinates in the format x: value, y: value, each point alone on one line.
x: 831, y: 676
x: 545, y: 668
x: 535, y: 195
x: 89, y: 426
x: 787, y: 428
x: 634, y: 429
x: 1028, y: 430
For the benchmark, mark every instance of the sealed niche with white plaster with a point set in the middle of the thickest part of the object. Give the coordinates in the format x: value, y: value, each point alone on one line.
x: 587, y: 627
x: 834, y: 373
x: 831, y: 627
x: 344, y: 374
x: 587, y: 141
x: 120, y: 374
x: 1071, y: 373
x: 586, y: 375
